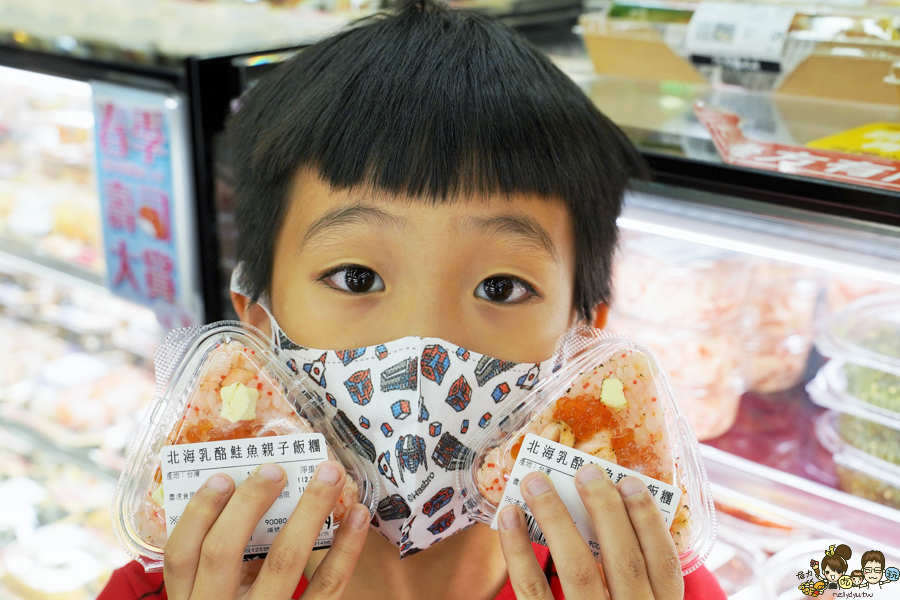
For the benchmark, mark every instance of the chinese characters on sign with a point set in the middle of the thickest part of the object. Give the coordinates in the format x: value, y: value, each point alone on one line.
x: 140, y: 194
x: 186, y: 467
x: 737, y: 150
x: 561, y: 463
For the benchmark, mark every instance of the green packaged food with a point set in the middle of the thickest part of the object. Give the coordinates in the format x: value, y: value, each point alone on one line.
x: 866, y: 335
x: 859, y: 473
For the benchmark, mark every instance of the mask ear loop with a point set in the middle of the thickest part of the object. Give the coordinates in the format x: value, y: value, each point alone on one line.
x: 276, y: 332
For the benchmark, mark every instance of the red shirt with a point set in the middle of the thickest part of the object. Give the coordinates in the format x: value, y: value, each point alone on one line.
x: 131, y: 583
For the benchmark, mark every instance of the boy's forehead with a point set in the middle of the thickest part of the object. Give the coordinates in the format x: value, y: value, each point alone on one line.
x: 319, y: 212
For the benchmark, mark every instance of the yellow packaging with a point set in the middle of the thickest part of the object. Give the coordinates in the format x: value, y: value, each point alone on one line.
x: 878, y: 139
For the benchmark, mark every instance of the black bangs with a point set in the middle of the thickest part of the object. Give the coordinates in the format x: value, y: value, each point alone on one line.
x: 433, y: 104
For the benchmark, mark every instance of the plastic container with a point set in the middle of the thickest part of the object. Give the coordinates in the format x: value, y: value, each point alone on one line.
x: 782, y: 305
x: 711, y: 410
x: 783, y: 297
x: 194, y: 367
x: 735, y: 561
x: 859, y: 473
x: 677, y: 283
x: 869, y: 428
x: 866, y: 334
x: 706, y: 365
x: 769, y: 532
x: 694, y: 357
x: 775, y: 363
x: 643, y: 429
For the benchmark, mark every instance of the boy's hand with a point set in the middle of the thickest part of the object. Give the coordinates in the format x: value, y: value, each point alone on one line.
x: 203, y: 557
x: 638, y: 555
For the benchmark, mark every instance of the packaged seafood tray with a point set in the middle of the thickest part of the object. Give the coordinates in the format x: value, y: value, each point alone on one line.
x: 859, y: 473
x: 841, y: 290
x: 871, y: 429
x: 782, y: 301
x: 608, y: 398
x: 775, y: 363
x: 218, y: 383
x: 677, y: 283
x: 706, y: 364
x: 866, y: 336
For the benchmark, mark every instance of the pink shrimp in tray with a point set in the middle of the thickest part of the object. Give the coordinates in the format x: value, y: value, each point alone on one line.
x: 236, y: 398
x: 612, y: 412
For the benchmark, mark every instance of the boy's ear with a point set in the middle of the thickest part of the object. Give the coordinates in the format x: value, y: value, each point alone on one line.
x: 250, y: 312
x: 601, y: 313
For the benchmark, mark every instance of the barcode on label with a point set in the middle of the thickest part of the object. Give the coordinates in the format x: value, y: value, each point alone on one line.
x: 715, y: 32
x: 534, y: 530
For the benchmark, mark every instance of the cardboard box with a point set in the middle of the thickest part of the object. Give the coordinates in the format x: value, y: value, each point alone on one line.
x: 848, y: 71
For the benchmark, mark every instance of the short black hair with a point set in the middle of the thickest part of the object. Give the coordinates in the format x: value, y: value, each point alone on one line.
x: 434, y: 104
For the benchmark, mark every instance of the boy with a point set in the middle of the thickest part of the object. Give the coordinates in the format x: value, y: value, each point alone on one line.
x: 425, y: 173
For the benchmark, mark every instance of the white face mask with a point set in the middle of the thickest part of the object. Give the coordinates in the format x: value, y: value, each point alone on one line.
x: 412, y: 407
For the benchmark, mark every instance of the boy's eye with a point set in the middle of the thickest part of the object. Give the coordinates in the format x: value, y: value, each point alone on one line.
x: 355, y: 279
x: 503, y: 289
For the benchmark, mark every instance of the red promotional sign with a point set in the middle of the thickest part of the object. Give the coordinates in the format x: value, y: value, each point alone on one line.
x: 737, y: 150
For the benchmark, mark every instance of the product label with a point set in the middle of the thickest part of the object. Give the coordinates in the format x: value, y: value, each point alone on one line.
x: 742, y: 37
x: 735, y: 149
x: 186, y: 467
x: 561, y: 463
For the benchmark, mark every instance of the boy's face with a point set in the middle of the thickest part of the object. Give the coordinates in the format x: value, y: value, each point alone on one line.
x: 872, y: 571
x: 857, y: 580
x: 354, y: 269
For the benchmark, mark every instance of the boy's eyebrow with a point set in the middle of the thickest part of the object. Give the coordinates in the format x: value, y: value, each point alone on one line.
x: 353, y: 215
x: 521, y: 226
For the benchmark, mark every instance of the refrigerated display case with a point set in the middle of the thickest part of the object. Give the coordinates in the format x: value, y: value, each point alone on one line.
x: 102, y: 148
x: 740, y: 270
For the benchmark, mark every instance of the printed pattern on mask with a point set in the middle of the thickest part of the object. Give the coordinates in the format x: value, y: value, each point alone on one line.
x: 372, y: 394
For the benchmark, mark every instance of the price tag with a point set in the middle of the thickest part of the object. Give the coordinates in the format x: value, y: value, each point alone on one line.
x: 186, y: 467
x: 741, y: 36
x: 561, y: 463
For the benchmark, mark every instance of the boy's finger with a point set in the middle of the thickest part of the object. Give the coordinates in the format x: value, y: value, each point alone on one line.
x: 334, y: 571
x: 620, y: 551
x: 525, y: 573
x: 221, y: 554
x: 661, y: 556
x: 287, y: 557
x: 575, y: 564
x: 182, y: 555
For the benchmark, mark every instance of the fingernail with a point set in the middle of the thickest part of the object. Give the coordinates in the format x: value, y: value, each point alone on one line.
x: 358, y: 518
x: 631, y: 486
x: 270, y: 471
x: 509, y: 518
x: 537, y: 486
x: 219, y: 483
x: 327, y: 474
x: 588, y: 473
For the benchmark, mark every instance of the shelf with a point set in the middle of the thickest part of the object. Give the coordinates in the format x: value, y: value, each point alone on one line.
x: 806, y: 503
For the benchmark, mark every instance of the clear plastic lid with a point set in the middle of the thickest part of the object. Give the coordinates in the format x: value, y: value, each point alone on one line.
x: 853, y: 458
x: 866, y: 333
x: 219, y: 382
x: 674, y: 282
x: 829, y: 389
x: 640, y: 428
